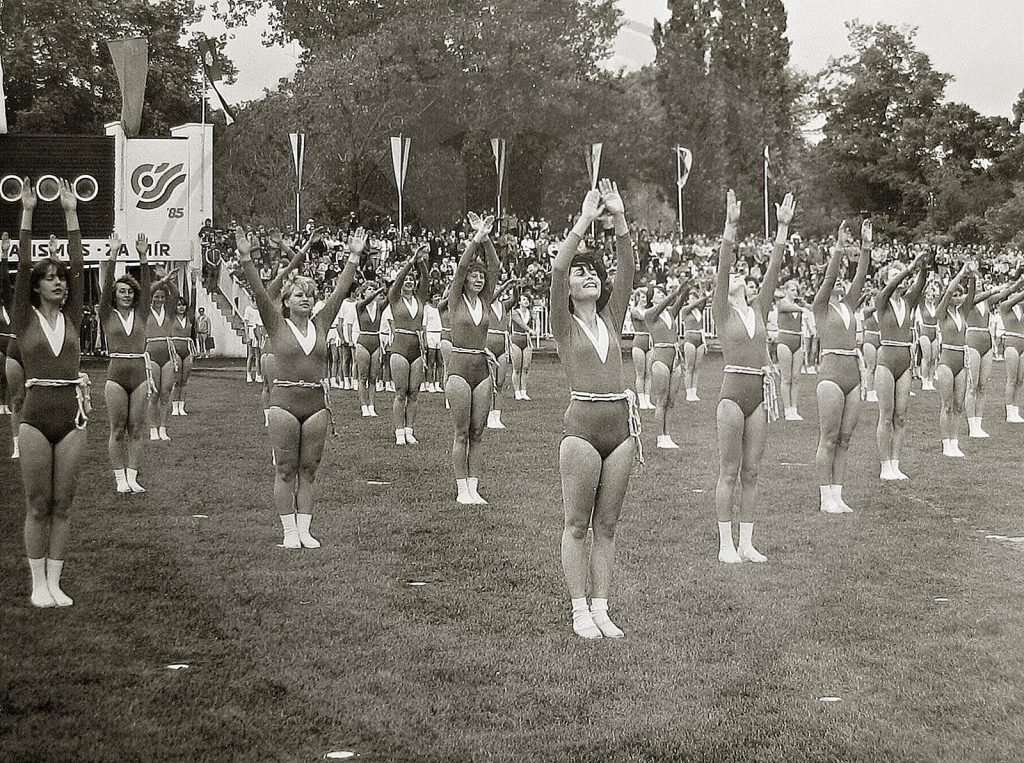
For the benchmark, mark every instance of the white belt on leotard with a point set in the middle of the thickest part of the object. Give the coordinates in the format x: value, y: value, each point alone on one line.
x: 615, y: 397
x: 1017, y: 334
x: 959, y: 348
x: 175, y: 360
x: 323, y: 384
x: 845, y: 353
x: 771, y: 392
x: 492, y: 361
x: 412, y: 332
x: 788, y: 331
x: 896, y: 343
x: 978, y: 328
x: 150, y: 383
x: 81, y: 385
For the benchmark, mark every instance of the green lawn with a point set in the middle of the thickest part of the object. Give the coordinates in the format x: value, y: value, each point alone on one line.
x: 294, y: 654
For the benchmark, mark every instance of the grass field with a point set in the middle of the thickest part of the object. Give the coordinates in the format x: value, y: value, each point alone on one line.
x: 904, y: 610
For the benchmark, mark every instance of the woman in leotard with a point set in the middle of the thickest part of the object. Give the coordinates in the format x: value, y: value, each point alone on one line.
x: 181, y: 332
x: 520, y: 347
x: 406, y: 298
x: 666, y: 371
x: 694, y: 347
x: 1012, y: 315
x: 601, y: 425
x: 47, y: 318
x: 124, y: 304
x: 979, y: 370
x: 839, y: 376
x: 892, y: 372
x: 641, y: 351
x: 497, y: 345
x: 468, y: 388
x: 743, y: 412
x: 369, y: 309
x: 163, y: 360
x: 951, y: 372
x: 14, y: 371
x: 790, y: 349
x: 300, y: 398
x: 927, y: 326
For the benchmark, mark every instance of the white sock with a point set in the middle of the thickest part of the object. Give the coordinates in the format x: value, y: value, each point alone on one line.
x: 599, y: 612
x: 373, y: 411
x: 725, y: 544
x: 163, y: 434
x: 746, y: 548
x: 17, y: 450
x: 53, y: 569
x: 464, y: 496
x: 41, y: 596
x: 291, y: 532
x: 132, y: 478
x: 582, y: 621
x: 266, y: 417
x: 302, y: 522
x: 154, y: 433
x: 365, y: 410
x: 409, y: 437
x: 837, y: 493
x: 828, y: 501
x: 400, y: 436
x: 121, y: 480
x: 472, y: 483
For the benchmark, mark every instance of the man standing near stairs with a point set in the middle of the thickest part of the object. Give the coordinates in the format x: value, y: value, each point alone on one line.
x: 203, y: 333
x: 253, y: 340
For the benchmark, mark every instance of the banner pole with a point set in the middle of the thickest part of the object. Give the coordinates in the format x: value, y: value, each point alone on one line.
x: 766, y: 201
x: 679, y: 188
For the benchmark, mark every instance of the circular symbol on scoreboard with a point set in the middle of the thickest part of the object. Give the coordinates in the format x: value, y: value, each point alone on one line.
x: 10, y: 188
x: 48, y: 188
x: 86, y: 188
x: 154, y: 184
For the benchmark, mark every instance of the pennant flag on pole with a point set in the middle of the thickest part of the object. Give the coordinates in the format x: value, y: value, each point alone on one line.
x: 768, y: 165
x: 229, y: 114
x: 594, y: 163
x: 400, y: 159
x: 211, y: 59
x: 685, y: 162
x: 131, y: 62
x: 498, y: 149
x: 298, y: 140
x: 3, y: 102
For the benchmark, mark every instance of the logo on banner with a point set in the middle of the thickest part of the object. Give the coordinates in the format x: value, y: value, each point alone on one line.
x: 155, y: 184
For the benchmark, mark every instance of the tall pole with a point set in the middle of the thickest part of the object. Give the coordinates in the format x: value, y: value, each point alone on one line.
x: 203, y: 96
x: 679, y: 186
x: 298, y: 195
x: 766, y: 200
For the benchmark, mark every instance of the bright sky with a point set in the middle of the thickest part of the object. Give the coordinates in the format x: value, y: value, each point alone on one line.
x: 980, y: 42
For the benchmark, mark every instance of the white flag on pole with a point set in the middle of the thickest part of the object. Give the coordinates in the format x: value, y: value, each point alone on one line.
x: 298, y: 140
x: 685, y: 162
x: 3, y: 102
x: 498, y: 149
x: 594, y: 163
x: 400, y: 159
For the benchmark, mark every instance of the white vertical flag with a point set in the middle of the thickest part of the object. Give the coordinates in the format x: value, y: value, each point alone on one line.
x: 400, y: 163
x: 594, y: 163
x: 298, y: 140
x: 3, y: 102
x: 498, y: 149
x: 685, y: 156
x: 767, y: 175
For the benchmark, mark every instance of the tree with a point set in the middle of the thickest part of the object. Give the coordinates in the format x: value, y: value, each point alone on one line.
x: 722, y: 72
x: 60, y: 78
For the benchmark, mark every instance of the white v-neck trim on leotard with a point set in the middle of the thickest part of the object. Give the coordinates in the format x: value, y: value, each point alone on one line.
x: 844, y: 313
x: 414, y: 309
x: 183, y: 322
x: 666, y: 318
x: 1017, y: 311
x: 498, y: 309
x: 371, y: 310
x: 601, y: 342
x: 6, y: 317
x: 476, y: 313
x: 55, y: 335
x: 749, y: 325
x: 306, y: 341
x: 954, y: 313
x: 159, y: 316
x: 129, y: 324
x: 899, y: 310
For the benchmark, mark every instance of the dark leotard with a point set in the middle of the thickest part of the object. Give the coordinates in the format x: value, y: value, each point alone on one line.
x: 954, y: 350
x: 369, y: 327
x: 741, y: 350
x: 838, y: 338
x: 895, y: 333
x: 129, y: 373
x: 406, y: 329
x: 469, y: 342
x: 664, y: 337
x: 1013, y: 323
x: 790, y: 323
x: 51, y: 410
x: 693, y: 325
x: 978, y: 336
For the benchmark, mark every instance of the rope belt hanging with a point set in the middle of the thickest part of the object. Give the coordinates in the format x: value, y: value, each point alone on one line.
x: 615, y: 397
x: 843, y: 353
x: 82, y: 395
x: 5, y: 335
x: 323, y: 384
x: 175, y: 360
x: 492, y: 362
x: 769, y: 387
x: 150, y: 383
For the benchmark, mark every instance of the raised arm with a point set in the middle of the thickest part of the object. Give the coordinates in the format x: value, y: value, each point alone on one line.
x: 5, y: 274
x: 493, y: 270
x: 396, y: 287
x: 21, y: 309
x: 884, y: 295
x: 625, y: 259
x: 107, y: 285
x: 268, y: 310
x: 145, y: 276
x: 821, y: 297
x: 671, y: 300
x: 726, y: 257
x: 274, y: 286
x: 867, y: 235
x: 343, y: 285
x: 784, y: 215
x: 76, y: 275
x: 462, y: 267
x: 972, y: 288
x: 1003, y: 294
x: 696, y: 304
x: 947, y: 295
x: 560, y: 320
x: 362, y: 304
x: 917, y: 290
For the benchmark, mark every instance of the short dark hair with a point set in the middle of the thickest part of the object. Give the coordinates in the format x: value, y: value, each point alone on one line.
x: 40, y: 270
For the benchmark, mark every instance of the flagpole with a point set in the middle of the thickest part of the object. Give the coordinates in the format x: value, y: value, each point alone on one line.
x: 679, y: 187
x: 765, y: 197
x: 202, y: 95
